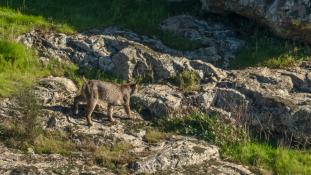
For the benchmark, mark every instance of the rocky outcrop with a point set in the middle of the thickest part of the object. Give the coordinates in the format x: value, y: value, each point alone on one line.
x: 173, y: 153
x: 277, y: 102
x: 286, y: 18
x: 270, y: 100
x: 127, y: 55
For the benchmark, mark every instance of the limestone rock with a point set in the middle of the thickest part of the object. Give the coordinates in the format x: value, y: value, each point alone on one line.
x: 176, y: 154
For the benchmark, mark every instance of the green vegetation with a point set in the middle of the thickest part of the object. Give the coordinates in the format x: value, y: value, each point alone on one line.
x: 204, y: 127
x: 276, y: 159
x: 154, y: 136
x: 140, y: 16
x: 187, y: 80
x: 237, y: 146
x: 19, y: 67
x: 13, y: 23
x: 114, y: 156
x: 53, y: 142
x: 263, y: 48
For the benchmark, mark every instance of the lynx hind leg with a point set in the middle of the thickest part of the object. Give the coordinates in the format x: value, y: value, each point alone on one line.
x: 91, y: 104
x: 110, y: 112
x: 77, y: 100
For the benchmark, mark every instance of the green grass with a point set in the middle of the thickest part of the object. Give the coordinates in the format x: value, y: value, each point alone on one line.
x: 53, y: 142
x: 13, y: 23
x: 140, y: 16
x: 276, y: 159
x: 263, y: 48
x: 115, y: 156
x: 18, y: 67
x: 236, y: 145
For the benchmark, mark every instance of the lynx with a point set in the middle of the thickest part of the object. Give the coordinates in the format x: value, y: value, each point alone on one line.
x: 95, y: 91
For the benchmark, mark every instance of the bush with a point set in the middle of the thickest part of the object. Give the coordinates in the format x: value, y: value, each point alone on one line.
x: 187, y: 80
x: 31, y: 113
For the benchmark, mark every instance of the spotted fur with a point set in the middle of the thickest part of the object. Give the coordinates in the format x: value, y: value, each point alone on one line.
x: 95, y: 91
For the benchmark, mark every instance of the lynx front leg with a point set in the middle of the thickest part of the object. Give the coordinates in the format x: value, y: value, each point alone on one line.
x: 127, y: 110
x: 89, y: 110
x: 110, y: 112
x: 77, y: 100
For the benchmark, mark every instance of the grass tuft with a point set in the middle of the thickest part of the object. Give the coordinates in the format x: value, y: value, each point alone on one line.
x: 153, y: 136
x: 115, y: 156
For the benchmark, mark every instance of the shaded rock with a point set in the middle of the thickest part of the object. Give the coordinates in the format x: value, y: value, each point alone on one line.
x: 231, y: 100
x: 217, y: 39
x: 286, y: 18
x: 51, y: 122
x: 159, y: 100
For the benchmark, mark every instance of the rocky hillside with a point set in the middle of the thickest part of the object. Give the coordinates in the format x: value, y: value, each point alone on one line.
x: 170, y: 153
x: 275, y: 103
x: 270, y: 100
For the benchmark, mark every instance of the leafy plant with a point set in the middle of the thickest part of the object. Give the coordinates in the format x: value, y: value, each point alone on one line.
x: 187, y: 80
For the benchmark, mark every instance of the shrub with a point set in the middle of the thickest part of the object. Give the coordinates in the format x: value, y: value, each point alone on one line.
x: 31, y: 112
x: 187, y: 80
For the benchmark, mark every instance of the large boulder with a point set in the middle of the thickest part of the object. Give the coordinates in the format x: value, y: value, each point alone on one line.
x: 286, y: 18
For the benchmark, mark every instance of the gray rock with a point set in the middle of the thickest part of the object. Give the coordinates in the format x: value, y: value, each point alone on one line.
x: 176, y: 154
